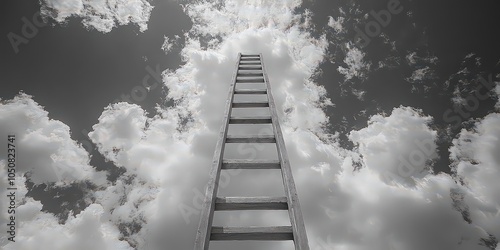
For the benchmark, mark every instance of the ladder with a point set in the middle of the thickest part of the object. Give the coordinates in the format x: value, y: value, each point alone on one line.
x: 250, y: 69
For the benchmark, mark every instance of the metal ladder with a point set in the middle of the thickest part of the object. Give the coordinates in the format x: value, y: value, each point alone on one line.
x: 250, y: 69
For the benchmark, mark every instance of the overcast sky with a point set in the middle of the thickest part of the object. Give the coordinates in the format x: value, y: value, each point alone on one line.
x: 389, y: 109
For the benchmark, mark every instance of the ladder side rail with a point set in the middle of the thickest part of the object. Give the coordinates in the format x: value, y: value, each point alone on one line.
x: 207, y: 213
x: 295, y: 214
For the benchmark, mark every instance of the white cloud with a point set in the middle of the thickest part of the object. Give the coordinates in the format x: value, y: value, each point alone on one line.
x: 87, y: 230
x: 102, y: 15
x: 423, y: 74
x: 419, y: 74
x: 398, y: 147
x: 169, y: 43
x: 162, y: 168
x: 476, y: 159
x: 355, y: 208
x: 46, y: 150
x: 365, y: 213
x: 336, y: 24
x: 413, y: 59
x: 45, y: 153
x: 120, y: 127
x: 360, y: 94
x: 237, y: 16
x: 356, y: 65
x: 457, y: 98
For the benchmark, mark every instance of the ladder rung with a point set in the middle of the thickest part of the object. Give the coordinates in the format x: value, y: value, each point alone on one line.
x: 249, y: 68
x: 250, y: 74
x: 244, y: 63
x: 250, y: 59
x: 253, y: 104
x: 253, y: 62
x: 252, y: 233
x: 250, y: 55
x: 250, y: 120
x: 249, y: 80
x: 250, y: 91
x: 250, y: 139
x: 251, y: 164
x: 251, y: 203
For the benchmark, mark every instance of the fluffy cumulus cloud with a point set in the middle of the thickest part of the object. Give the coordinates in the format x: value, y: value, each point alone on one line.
x: 46, y: 154
x: 476, y: 163
x: 373, y: 205
x: 380, y: 216
x: 49, y: 155
x: 120, y: 127
x: 102, y: 15
x: 161, y: 170
x: 399, y: 147
x: 87, y: 230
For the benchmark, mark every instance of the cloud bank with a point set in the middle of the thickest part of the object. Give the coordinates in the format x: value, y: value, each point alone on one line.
x: 102, y: 15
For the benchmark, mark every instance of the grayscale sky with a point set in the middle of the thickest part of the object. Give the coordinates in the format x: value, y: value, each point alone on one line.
x: 389, y: 109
